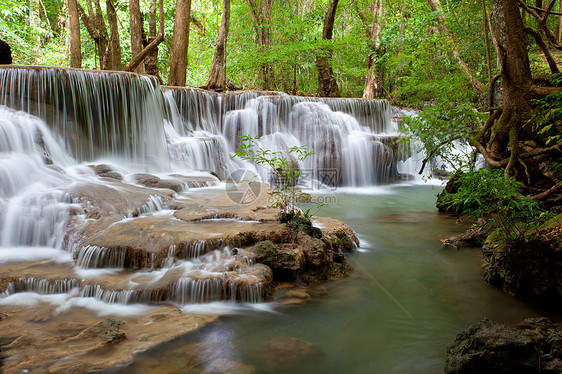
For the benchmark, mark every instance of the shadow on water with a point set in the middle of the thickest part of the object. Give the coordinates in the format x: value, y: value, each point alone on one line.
x: 406, y: 300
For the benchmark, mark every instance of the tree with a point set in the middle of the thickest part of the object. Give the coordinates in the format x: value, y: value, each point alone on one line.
x: 115, y: 45
x: 261, y: 16
x: 135, y: 19
x: 373, y: 80
x: 327, y: 85
x: 95, y: 25
x: 504, y: 139
x: 180, y: 44
x: 75, y: 46
x: 217, y: 75
x: 435, y: 6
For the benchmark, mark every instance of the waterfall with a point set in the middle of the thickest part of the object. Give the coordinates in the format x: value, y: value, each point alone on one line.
x: 115, y: 115
x: 66, y: 132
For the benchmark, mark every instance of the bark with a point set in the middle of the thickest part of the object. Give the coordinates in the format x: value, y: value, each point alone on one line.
x: 217, y: 75
x: 136, y: 30
x: 151, y: 59
x: 180, y: 44
x: 115, y: 45
x: 327, y: 85
x: 546, y: 51
x: 261, y: 15
x: 96, y: 28
x: 488, y: 55
x: 145, y: 52
x: 75, y: 45
x: 559, y: 26
x: 35, y: 23
x: 435, y: 6
x: 373, y: 80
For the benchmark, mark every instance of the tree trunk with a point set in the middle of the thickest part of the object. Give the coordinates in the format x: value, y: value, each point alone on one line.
x: 435, y: 6
x: 136, y: 31
x: 75, y: 46
x: 180, y: 44
x: 559, y: 26
x: 151, y: 60
x: 373, y: 81
x: 115, y: 48
x: 217, y: 75
x: 327, y: 85
x: 35, y: 23
x: 261, y: 14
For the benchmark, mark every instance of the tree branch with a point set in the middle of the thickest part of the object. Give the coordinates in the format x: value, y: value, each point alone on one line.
x: 551, y: 191
x: 541, y: 92
x: 540, y: 42
x: 486, y: 155
x: 135, y: 61
x: 539, y: 9
x: 488, y: 124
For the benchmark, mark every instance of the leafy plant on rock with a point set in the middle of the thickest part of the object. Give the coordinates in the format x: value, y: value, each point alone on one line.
x: 487, y: 193
x: 285, y: 175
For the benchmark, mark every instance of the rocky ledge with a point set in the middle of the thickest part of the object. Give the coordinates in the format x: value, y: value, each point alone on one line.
x: 534, y: 346
x: 156, y: 246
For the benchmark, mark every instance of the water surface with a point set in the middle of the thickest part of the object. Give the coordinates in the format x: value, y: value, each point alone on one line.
x: 406, y: 300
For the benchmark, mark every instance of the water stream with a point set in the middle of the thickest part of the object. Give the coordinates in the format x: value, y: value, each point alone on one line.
x: 437, y: 291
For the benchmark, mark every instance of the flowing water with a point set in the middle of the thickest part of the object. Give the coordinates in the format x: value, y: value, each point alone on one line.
x: 404, y: 303
x: 406, y: 299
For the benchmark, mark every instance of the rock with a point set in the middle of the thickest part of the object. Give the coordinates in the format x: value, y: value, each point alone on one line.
x: 287, y: 353
x: 297, y: 293
x: 489, y: 347
x: 529, y: 267
x: 473, y: 237
x: 286, y: 263
x: 152, y: 181
x: 108, y: 332
x: 223, y: 366
x: 452, y: 186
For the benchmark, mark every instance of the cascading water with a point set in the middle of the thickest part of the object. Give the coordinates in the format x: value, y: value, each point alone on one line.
x: 55, y: 122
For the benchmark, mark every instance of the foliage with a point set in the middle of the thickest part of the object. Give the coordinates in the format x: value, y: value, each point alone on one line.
x: 284, y: 171
x: 546, y: 118
x: 486, y: 193
x: 440, y: 129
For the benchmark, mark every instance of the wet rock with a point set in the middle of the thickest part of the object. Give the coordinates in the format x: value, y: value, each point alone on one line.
x: 223, y: 366
x: 153, y: 181
x: 287, y: 353
x: 489, y: 347
x: 452, y: 186
x: 528, y: 267
x: 286, y: 263
x: 107, y: 331
x: 474, y: 237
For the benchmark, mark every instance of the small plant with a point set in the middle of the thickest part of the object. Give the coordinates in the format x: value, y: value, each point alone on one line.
x: 285, y: 174
x: 285, y: 171
x: 487, y: 193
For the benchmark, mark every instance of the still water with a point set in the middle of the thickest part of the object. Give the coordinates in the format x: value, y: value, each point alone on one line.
x: 404, y: 303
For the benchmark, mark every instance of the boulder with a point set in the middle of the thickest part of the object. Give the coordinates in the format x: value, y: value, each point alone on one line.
x: 529, y: 267
x: 287, y: 353
x: 488, y: 347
